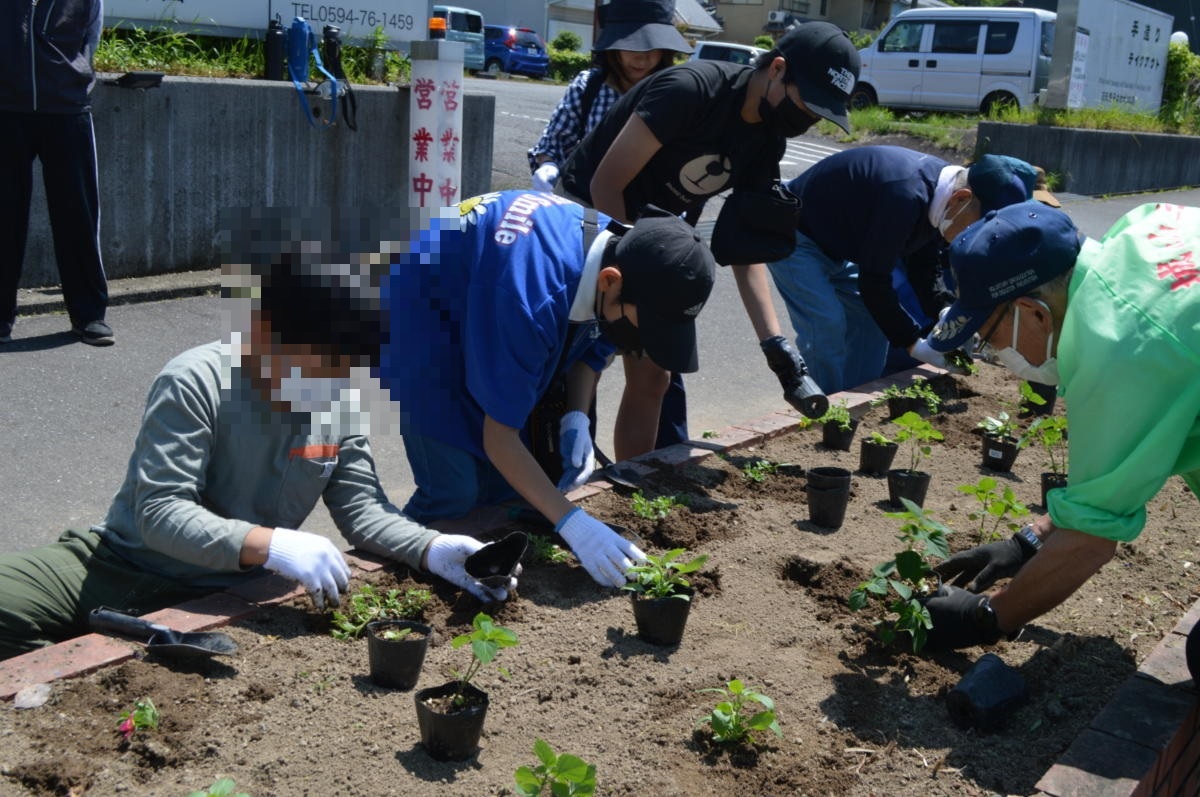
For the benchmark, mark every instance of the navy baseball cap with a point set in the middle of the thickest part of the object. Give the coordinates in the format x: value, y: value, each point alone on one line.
x: 1005, y: 255
x: 1001, y: 180
x: 824, y: 65
x: 668, y: 273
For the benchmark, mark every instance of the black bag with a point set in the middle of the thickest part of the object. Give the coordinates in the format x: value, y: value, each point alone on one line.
x: 542, y: 427
x: 755, y: 226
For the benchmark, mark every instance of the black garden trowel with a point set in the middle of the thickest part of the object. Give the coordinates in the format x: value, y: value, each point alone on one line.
x: 161, y: 640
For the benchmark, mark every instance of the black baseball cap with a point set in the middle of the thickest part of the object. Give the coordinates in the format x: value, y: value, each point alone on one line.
x: 667, y: 274
x: 824, y: 65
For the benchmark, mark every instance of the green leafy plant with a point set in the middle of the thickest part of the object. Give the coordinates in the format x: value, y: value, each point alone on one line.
x: 542, y: 549
x: 663, y: 576
x: 654, y: 508
x: 221, y: 788
x: 1050, y: 432
x: 486, y: 641
x: 395, y: 634
x: 996, y: 505
x: 837, y: 413
x: 565, y: 775
x: 918, y: 433
x: 742, y: 712
x: 879, y: 439
x: 142, y: 717
x: 999, y: 425
x: 708, y: 434
x: 960, y: 359
x: 759, y: 470
x: 919, y: 389
x: 901, y: 583
x: 368, y: 604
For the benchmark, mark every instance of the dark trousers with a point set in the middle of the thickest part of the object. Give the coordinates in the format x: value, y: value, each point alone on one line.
x: 66, y: 146
x: 672, y: 420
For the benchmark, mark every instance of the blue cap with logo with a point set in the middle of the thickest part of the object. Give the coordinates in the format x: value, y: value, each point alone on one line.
x: 1006, y: 254
x: 1001, y: 180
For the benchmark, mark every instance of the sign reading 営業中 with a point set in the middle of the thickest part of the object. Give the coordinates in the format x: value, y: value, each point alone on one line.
x: 401, y: 21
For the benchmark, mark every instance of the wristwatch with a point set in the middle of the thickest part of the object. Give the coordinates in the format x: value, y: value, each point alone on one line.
x: 1028, y: 541
x: 988, y: 625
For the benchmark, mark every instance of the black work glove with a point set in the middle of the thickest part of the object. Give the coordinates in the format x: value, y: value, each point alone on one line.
x: 799, y: 389
x: 961, y: 619
x: 982, y: 566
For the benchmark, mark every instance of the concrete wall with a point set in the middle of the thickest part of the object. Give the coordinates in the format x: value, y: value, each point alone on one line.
x: 172, y: 157
x: 1098, y: 161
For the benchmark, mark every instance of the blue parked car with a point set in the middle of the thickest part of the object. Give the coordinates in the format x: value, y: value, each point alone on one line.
x: 514, y: 50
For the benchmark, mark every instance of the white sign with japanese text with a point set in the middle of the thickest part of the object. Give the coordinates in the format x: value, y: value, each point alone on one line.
x: 1126, y: 55
x: 436, y: 118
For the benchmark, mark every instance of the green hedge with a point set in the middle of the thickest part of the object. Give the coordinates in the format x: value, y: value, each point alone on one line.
x: 1181, y: 89
x: 566, y: 64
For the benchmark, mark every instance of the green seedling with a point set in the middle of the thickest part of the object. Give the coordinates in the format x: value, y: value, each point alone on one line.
x: 395, y: 634
x: 918, y: 433
x: 221, y: 788
x: 541, y: 549
x: 759, y: 470
x: 919, y: 389
x: 368, y: 604
x: 654, y: 508
x: 564, y: 775
x: 994, y: 504
x: 708, y: 434
x: 999, y: 425
x: 663, y: 576
x: 735, y: 718
x: 486, y: 641
x: 960, y: 359
x: 880, y: 439
x: 837, y: 413
x: 901, y: 583
x: 1050, y: 432
x: 142, y: 717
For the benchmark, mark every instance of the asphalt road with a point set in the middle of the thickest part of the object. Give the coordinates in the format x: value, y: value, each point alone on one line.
x: 69, y: 412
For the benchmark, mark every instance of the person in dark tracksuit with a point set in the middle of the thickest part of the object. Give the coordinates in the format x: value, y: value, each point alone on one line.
x: 46, y: 78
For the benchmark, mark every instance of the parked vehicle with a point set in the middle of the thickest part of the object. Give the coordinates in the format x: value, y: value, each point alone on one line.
x: 726, y: 51
x: 518, y: 51
x: 962, y: 59
x: 466, y: 26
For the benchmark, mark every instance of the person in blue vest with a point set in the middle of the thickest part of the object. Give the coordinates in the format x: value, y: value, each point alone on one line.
x: 491, y: 303
x: 864, y: 213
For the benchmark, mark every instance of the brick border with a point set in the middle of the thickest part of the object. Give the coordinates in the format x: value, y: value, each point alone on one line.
x: 1144, y: 743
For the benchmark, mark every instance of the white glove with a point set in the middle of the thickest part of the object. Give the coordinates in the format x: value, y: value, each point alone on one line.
x: 313, y: 561
x: 921, y: 350
x: 545, y: 176
x: 445, y: 557
x: 604, y: 554
x: 575, y: 445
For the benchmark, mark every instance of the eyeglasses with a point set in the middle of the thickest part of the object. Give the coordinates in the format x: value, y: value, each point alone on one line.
x: 985, y: 348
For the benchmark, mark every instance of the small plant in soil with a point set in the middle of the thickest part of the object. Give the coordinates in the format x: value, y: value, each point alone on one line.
x: 142, y: 717
x: 221, y: 788
x: 561, y: 775
x: 919, y: 389
x: 486, y: 641
x: 543, y: 551
x: 879, y: 439
x: 918, y: 433
x: 1050, y: 432
x: 368, y: 604
x: 663, y: 576
x: 901, y: 583
x: 999, y: 425
x: 838, y: 414
x: 741, y: 712
x: 960, y: 359
x: 996, y: 505
x: 654, y: 508
x: 708, y: 434
x: 759, y: 470
x: 395, y: 634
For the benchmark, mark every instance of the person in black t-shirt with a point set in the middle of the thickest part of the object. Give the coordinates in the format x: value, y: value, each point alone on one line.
x: 693, y: 131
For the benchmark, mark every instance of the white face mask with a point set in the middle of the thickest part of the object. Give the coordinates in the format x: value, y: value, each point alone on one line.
x: 1013, y: 360
x: 947, y: 220
x: 309, y: 394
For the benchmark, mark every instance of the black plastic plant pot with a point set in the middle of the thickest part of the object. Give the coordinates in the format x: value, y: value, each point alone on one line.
x: 1052, y: 481
x: 910, y: 484
x: 986, y: 694
x: 876, y: 458
x: 660, y: 621
x: 828, y: 507
x: 396, y: 663
x: 835, y: 437
x: 829, y: 478
x: 899, y: 405
x: 999, y: 452
x: 495, y: 563
x: 450, y: 733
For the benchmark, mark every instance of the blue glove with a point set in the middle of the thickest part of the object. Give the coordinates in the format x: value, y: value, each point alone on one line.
x: 575, y: 446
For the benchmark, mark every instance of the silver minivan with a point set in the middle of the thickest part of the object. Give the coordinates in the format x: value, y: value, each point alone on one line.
x: 958, y: 59
x: 466, y: 26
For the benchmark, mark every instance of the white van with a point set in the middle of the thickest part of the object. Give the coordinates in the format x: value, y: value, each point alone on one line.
x: 958, y: 59
x: 726, y: 51
x: 466, y: 26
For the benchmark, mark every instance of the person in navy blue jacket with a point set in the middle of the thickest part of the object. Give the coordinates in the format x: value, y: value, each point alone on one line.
x: 46, y: 79
x: 492, y: 302
x: 865, y: 212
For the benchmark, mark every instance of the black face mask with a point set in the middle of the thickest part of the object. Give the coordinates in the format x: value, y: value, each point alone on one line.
x: 787, y: 118
x: 620, y: 333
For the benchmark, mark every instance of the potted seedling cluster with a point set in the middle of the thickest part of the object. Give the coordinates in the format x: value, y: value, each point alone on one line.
x: 837, y: 427
x: 662, y: 596
x: 876, y: 453
x: 918, y: 397
x: 1050, y: 432
x: 912, y: 483
x: 451, y: 716
x: 902, y: 584
x: 396, y: 640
